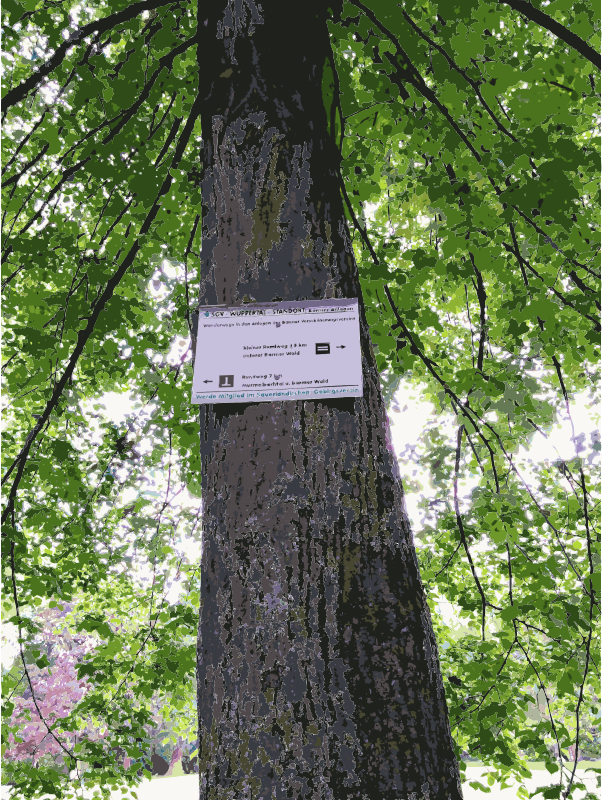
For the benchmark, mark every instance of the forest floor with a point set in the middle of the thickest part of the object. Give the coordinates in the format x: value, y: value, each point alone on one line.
x: 185, y: 787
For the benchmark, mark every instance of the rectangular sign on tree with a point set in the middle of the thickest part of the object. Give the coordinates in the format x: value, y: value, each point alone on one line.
x: 263, y: 352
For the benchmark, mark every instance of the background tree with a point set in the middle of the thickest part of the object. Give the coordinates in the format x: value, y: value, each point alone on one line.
x: 53, y: 655
x: 476, y: 137
x: 55, y: 689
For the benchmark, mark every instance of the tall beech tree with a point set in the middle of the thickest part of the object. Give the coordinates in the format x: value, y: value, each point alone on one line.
x: 160, y: 157
x: 318, y: 673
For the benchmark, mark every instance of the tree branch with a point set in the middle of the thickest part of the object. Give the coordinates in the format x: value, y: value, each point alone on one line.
x: 21, y: 91
x: 412, y: 75
x: 482, y: 296
x: 84, y: 335
x: 463, y: 73
x: 22, y: 654
x: 544, y: 21
x: 460, y: 524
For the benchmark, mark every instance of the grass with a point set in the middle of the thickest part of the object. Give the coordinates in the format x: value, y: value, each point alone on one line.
x: 533, y: 766
x: 538, y: 765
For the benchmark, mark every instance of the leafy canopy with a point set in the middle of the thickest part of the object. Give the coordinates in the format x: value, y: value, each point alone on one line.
x: 470, y: 152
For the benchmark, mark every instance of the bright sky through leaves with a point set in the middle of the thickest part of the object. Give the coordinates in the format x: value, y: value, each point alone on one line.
x: 470, y: 169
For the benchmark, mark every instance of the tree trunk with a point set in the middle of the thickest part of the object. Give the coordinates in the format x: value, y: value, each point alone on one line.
x: 175, y: 757
x: 318, y: 673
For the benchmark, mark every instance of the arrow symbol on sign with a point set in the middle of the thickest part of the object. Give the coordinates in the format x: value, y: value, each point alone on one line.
x: 342, y: 346
x: 207, y: 381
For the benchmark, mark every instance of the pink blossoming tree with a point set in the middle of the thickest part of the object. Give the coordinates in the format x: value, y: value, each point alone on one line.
x: 56, y: 718
x: 57, y: 690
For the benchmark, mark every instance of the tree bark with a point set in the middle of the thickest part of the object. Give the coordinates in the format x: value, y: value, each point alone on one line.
x: 318, y: 672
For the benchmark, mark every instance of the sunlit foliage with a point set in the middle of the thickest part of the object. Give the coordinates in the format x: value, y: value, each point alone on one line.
x: 469, y: 142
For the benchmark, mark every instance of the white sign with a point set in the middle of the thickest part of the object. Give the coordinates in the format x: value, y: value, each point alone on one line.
x: 264, y: 352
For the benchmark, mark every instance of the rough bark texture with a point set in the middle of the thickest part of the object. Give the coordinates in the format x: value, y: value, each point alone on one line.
x: 318, y: 673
